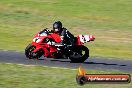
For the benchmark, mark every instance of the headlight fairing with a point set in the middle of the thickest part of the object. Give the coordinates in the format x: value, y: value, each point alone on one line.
x: 37, y: 39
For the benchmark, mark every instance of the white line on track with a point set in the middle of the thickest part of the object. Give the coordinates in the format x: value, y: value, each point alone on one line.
x: 44, y: 66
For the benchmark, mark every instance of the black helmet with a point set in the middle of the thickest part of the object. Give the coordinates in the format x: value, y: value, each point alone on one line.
x: 57, y: 26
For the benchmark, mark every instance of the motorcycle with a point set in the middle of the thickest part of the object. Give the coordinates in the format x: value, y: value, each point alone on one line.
x: 45, y: 43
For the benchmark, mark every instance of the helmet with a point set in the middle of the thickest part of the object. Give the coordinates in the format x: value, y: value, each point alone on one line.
x: 57, y: 26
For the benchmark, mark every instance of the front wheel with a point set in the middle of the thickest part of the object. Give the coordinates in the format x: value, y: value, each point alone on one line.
x: 28, y: 51
x: 79, y: 54
x: 30, y: 54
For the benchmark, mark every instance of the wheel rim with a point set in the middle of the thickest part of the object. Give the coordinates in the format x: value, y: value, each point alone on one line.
x: 83, y: 54
x: 37, y: 54
x: 76, y: 55
x: 29, y: 52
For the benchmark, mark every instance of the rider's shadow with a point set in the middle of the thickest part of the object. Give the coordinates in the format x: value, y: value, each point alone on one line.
x: 103, y: 64
x: 92, y: 63
x: 56, y: 60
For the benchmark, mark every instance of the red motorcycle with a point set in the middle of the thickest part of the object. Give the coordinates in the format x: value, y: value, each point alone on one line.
x: 45, y: 43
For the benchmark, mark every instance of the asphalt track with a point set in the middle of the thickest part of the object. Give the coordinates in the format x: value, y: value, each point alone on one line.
x: 92, y: 63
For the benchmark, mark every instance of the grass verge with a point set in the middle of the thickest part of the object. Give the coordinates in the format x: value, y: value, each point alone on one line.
x: 20, y: 76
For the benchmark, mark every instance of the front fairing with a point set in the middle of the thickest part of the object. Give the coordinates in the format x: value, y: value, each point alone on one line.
x: 38, y: 38
x: 41, y: 40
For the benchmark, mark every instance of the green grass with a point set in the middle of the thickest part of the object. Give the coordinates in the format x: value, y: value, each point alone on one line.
x: 110, y: 22
x: 20, y: 76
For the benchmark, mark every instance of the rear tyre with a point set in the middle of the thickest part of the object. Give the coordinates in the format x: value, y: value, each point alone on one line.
x: 79, y: 54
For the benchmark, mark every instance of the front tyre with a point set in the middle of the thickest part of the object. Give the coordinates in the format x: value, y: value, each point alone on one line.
x: 79, y: 54
x: 38, y: 53
x: 28, y: 51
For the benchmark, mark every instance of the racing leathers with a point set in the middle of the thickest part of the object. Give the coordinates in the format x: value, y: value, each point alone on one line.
x: 66, y: 37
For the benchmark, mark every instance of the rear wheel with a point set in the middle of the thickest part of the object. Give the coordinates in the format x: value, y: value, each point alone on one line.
x: 79, y: 54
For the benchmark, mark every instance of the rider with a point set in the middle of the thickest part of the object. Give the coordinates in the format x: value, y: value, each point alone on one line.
x: 66, y: 36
